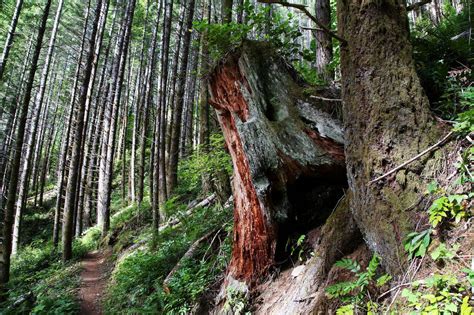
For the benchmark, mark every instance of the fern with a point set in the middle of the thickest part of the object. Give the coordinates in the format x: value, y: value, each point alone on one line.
x: 348, y: 264
x: 340, y: 289
x: 355, y: 291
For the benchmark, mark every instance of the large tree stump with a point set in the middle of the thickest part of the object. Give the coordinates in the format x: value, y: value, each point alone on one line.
x: 287, y: 152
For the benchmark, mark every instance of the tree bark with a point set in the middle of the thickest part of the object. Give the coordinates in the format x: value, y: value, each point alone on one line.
x: 323, y: 41
x: 226, y: 13
x: 287, y: 155
x: 387, y: 121
x: 160, y: 189
x: 6, y: 245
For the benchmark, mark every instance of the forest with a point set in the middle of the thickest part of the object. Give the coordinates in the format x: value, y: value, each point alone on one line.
x: 236, y: 157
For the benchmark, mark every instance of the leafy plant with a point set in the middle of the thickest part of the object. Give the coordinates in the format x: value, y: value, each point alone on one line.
x: 449, y: 207
x: 465, y: 120
x: 280, y: 30
x: 296, y: 247
x: 437, y: 294
x: 356, y: 292
x: 417, y: 243
x: 236, y: 302
x: 465, y: 166
x: 443, y: 253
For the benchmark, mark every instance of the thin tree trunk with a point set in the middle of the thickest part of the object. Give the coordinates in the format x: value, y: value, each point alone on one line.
x: 178, y: 110
x: 52, y: 136
x: 37, y: 159
x: 203, y: 138
x: 10, y: 37
x: 91, y: 182
x: 159, y: 174
x: 323, y: 41
x: 172, y: 93
x: 187, y: 131
x: 6, y: 245
x: 10, y: 128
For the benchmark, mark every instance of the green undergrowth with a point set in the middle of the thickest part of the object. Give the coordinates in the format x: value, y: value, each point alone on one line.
x: 41, y: 284
x: 136, y: 284
x: 439, y: 278
x: 149, y: 267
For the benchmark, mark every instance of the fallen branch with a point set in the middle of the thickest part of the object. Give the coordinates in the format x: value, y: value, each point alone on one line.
x: 303, y: 8
x: 23, y: 298
x: 434, y: 146
x: 416, y: 5
x: 326, y: 99
x: 192, y: 206
x: 189, y: 254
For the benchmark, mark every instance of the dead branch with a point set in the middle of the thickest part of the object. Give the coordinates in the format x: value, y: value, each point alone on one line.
x: 416, y: 5
x: 192, y: 206
x: 326, y: 99
x: 189, y: 254
x: 303, y: 8
x: 434, y: 146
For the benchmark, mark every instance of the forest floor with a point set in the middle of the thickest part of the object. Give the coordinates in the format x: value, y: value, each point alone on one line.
x: 94, y: 278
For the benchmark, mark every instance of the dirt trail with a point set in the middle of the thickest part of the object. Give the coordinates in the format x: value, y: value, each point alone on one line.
x: 93, y: 281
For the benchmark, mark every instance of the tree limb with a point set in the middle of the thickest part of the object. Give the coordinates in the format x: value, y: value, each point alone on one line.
x: 189, y: 254
x: 416, y: 5
x: 303, y: 8
x: 434, y: 146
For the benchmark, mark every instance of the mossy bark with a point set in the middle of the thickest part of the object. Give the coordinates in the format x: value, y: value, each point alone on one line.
x: 387, y: 122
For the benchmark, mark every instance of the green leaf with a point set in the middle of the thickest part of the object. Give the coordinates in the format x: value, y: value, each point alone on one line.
x: 383, y: 280
x: 432, y: 187
x: 348, y: 264
x: 451, y: 307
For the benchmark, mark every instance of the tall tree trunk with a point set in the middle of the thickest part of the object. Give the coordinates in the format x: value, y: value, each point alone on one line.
x: 203, y: 138
x: 108, y: 149
x: 172, y: 94
x: 73, y: 180
x: 10, y: 37
x: 387, y: 121
x: 6, y: 245
x: 43, y: 135
x: 38, y: 104
x: 50, y: 141
x: 137, y: 111
x: 10, y: 128
x: 323, y: 41
x: 178, y: 110
x: 92, y: 168
x: 188, y: 115
x: 226, y: 13
x: 67, y: 136
x: 160, y: 142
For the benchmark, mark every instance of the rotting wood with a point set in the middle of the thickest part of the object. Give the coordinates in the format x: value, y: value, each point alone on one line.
x: 266, y: 131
